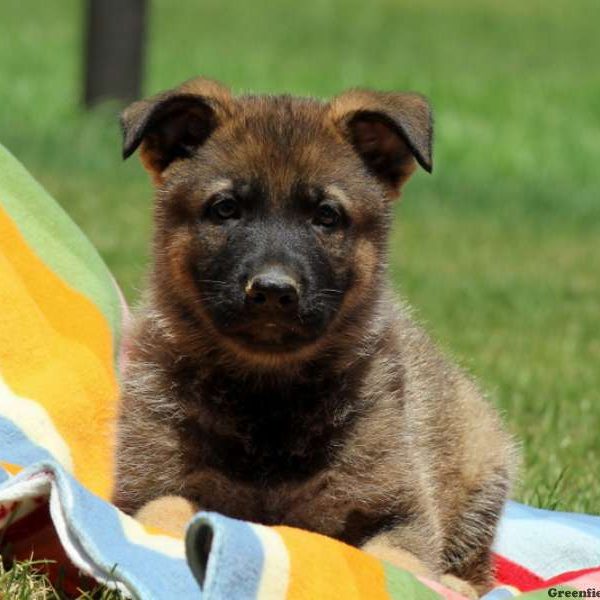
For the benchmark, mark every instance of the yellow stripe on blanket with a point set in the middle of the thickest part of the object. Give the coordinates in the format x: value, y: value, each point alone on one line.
x: 10, y: 468
x: 56, y: 349
x: 351, y: 574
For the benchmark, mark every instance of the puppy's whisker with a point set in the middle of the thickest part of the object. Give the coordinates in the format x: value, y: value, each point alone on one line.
x: 213, y: 281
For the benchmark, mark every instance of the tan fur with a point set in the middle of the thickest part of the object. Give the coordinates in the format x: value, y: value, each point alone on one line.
x: 169, y: 514
x: 418, y: 464
x: 384, y: 548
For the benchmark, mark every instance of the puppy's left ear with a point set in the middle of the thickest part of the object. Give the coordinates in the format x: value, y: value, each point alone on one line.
x: 391, y: 132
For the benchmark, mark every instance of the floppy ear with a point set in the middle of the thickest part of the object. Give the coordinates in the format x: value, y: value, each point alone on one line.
x: 171, y: 125
x: 391, y: 132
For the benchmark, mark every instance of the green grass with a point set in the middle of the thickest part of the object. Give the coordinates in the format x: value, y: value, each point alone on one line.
x: 499, y: 250
x: 26, y: 580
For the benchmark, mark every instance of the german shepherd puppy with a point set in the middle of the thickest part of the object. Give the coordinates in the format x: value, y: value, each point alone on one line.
x: 273, y: 375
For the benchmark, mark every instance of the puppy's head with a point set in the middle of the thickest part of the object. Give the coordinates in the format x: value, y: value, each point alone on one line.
x: 272, y: 212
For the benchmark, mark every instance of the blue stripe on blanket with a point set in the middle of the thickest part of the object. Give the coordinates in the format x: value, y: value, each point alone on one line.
x: 548, y: 543
x: 97, y: 526
x: 589, y: 524
x: 236, y: 557
x: 17, y: 448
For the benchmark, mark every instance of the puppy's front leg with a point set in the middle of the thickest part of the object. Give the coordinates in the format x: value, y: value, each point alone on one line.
x: 390, y: 546
x: 170, y: 514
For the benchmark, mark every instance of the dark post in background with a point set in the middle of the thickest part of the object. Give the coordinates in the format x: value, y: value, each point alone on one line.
x: 114, y: 49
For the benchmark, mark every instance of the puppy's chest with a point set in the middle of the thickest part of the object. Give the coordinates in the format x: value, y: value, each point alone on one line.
x: 279, y: 457
x: 262, y: 438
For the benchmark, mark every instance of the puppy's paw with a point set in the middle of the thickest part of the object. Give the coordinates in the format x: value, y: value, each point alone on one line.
x: 459, y: 585
x: 170, y: 514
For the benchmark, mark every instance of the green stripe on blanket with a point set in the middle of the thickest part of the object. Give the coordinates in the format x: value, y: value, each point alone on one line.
x: 55, y: 239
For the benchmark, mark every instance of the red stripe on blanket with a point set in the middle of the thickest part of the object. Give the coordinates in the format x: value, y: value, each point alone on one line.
x: 29, y: 524
x: 570, y: 575
x: 510, y: 573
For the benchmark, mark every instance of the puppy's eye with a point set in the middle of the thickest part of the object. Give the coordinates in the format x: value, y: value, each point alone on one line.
x: 326, y: 215
x: 224, y: 209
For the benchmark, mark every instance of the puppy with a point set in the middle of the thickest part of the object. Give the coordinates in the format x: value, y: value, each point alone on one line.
x: 273, y: 374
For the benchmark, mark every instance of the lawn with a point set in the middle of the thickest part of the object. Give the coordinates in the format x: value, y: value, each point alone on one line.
x: 499, y: 250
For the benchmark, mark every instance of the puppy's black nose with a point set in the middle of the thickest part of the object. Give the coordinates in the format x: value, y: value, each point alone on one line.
x: 272, y: 289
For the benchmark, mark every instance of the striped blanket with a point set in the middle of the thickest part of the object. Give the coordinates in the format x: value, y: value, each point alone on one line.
x: 61, y: 317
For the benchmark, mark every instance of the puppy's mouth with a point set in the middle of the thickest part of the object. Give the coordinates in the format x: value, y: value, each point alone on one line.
x: 271, y: 335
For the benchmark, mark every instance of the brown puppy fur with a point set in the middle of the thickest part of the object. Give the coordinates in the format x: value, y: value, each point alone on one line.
x: 343, y: 419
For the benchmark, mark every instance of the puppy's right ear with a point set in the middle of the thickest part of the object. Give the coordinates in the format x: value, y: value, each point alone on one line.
x: 173, y: 124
